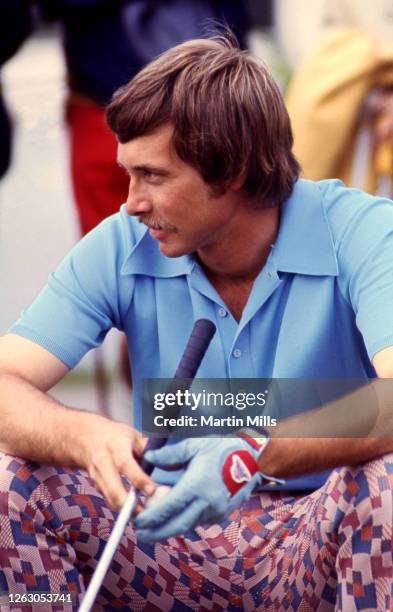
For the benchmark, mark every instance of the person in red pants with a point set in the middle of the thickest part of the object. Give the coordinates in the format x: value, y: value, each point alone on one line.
x: 100, y: 186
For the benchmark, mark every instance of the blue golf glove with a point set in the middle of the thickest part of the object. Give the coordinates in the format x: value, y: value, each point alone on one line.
x: 220, y: 474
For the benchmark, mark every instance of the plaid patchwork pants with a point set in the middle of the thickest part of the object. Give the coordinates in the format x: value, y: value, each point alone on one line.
x: 329, y: 550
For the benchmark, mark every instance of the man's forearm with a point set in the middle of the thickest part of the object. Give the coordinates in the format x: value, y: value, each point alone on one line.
x: 37, y: 427
x: 348, y: 431
x: 288, y: 457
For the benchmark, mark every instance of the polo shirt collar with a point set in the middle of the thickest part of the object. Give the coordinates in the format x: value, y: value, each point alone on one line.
x: 146, y: 258
x: 304, y: 244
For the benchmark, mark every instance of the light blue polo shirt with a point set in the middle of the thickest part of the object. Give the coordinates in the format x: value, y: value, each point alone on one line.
x: 321, y: 307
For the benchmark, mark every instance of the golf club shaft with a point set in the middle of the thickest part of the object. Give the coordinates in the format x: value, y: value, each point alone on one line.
x: 194, y: 352
x: 109, y: 551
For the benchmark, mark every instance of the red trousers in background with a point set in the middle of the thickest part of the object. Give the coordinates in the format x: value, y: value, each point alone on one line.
x: 99, y: 185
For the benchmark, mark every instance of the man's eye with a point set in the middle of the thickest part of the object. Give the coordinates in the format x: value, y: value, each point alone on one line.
x: 152, y: 177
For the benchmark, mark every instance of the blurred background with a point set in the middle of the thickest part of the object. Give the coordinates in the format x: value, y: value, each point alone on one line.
x: 60, y: 61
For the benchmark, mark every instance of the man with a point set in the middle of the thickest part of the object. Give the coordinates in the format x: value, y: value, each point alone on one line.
x: 296, y: 276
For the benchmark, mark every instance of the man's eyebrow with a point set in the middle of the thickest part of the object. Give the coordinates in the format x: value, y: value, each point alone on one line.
x: 145, y: 168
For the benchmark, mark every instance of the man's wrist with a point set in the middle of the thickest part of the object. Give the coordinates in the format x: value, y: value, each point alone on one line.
x: 258, y: 440
x: 78, y: 430
x: 263, y: 449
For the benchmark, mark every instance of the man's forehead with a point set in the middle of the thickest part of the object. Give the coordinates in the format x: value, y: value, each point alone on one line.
x: 152, y: 148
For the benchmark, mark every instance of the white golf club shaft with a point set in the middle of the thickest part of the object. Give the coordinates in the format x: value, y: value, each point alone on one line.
x: 197, y: 345
x: 109, y: 552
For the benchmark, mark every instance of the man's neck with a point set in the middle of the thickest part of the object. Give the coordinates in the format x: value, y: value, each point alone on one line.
x: 242, y: 254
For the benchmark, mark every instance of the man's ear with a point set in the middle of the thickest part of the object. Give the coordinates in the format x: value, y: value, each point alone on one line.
x: 237, y: 183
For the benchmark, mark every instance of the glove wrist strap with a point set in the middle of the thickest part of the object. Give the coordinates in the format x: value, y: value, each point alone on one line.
x: 258, y: 441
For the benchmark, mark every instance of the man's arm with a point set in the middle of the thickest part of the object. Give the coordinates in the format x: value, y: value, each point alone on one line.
x: 344, y: 432
x: 383, y: 363
x: 349, y: 431
x: 37, y: 427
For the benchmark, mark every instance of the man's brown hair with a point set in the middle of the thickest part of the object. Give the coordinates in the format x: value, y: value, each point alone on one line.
x: 228, y: 114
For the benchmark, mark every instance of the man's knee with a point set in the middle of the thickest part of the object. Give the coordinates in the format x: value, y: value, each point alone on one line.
x: 32, y: 491
x: 361, y: 493
x: 370, y: 478
x: 15, y: 474
x: 19, y: 482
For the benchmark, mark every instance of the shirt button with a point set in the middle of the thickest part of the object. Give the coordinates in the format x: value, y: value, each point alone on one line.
x: 269, y: 274
x: 222, y: 312
x: 237, y: 353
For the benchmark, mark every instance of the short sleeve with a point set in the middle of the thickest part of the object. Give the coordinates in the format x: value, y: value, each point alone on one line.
x: 364, y: 234
x: 81, y: 300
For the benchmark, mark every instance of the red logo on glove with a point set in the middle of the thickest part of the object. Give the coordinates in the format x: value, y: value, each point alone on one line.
x: 238, y: 469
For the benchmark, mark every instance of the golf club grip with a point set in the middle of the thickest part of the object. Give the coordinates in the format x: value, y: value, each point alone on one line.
x: 197, y: 345
x: 201, y: 335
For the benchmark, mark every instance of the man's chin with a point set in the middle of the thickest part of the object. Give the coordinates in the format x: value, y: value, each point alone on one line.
x: 171, y: 250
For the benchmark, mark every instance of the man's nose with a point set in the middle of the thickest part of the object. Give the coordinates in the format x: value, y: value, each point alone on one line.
x: 137, y: 203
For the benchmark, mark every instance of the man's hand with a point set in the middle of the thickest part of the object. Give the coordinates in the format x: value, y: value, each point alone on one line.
x: 220, y: 475
x: 111, y: 449
x: 48, y: 432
